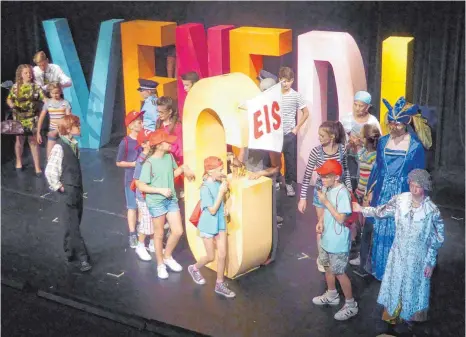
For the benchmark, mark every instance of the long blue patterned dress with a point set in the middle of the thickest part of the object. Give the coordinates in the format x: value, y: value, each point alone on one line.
x: 419, y: 234
x: 389, y: 177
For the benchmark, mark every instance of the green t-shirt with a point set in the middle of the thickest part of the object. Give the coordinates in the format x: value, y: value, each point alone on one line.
x: 158, y: 172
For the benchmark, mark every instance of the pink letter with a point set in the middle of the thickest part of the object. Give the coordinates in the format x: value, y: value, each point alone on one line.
x: 316, y: 50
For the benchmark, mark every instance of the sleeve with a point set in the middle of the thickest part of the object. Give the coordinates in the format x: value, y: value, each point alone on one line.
x: 38, y: 77
x: 53, y: 169
x: 174, y: 164
x: 374, y: 172
x: 145, y: 176
x: 344, y: 202
x: 12, y: 93
x: 345, y: 169
x: 121, y: 151
x: 376, y: 122
x: 207, y: 199
x: 301, y: 102
x: 45, y: 107
x: 311, y: 164
x: 64, y: 80
x: 382, y: 211
x: 67, y: 104
x: 436, y: 238
x: 137, y: 170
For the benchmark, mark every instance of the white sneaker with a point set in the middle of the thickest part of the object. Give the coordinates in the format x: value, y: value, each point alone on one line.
x: 326, y: 298
x: 162, y: 272
x: 348, y: 311
x: 277, y: 186
x: 279, y: 219
x: 173, y: 265
x: 151, y: 246
x: 142, y: 253
x: 356, y: 261
x: 320, y: 267
x: 290, y: 190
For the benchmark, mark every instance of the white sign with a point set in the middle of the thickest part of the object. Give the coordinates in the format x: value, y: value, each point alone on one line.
x: 265, y: 120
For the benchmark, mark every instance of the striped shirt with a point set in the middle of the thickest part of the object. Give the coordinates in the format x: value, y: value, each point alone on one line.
x: 366, y: 161
x: 56, y: 111
x: 316, y: 159
x: 292, y: 101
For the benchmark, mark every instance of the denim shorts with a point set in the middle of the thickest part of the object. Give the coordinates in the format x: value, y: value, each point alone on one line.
x: 163, y: 207
x: 130, y: 197
x: 210, y: 236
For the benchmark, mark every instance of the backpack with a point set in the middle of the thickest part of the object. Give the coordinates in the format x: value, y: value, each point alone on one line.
x: 196, y: 214
x: 354, y: 216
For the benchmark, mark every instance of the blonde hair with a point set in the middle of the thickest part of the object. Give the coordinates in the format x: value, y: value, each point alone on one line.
x: 53, y: 86
x: 19, y: 78
x: 39, y: 57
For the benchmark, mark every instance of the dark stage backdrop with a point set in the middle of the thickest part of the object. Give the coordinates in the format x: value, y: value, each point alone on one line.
x: 438, y: 29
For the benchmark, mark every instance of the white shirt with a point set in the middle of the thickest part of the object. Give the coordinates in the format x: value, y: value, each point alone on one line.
x: 354, y: 128
x: 52, y: 74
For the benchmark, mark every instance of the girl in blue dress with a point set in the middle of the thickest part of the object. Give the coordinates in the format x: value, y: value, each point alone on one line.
x: 398, y: 153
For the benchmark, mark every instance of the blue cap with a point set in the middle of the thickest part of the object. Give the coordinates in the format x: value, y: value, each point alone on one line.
x: 363, y: 96
x: 401, y: 112
x: 263, y: 74
x: 147, y: 84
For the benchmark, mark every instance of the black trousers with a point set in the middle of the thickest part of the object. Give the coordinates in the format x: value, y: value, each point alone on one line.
x: 366, y: 242
x: 290, y: 154
x: 275, y: 211
x: 72, y: 212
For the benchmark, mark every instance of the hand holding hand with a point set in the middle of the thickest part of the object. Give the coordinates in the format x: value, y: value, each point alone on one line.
x: 302, y: 204
x: 188, y: 173
x: 166, y: 192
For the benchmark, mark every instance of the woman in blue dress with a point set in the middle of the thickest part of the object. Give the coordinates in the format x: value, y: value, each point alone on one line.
x: 398, y: 153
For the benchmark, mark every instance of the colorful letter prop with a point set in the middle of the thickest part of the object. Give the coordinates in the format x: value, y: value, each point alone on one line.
x: 397, y: 56
x: 212, y: 120
x: 193, y: 53
x: 248, y: 45
x: 138, y: 39
x: 316, y: 50
x: 94, y: 108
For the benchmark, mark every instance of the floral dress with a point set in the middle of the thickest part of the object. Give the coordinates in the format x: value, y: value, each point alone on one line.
x: 419, y: 234
x: 27, y: 103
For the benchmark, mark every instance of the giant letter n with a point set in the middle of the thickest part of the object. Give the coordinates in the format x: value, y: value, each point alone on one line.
x: 316, y: 50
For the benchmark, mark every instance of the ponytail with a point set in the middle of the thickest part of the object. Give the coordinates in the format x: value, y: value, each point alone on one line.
x: 336, y: 130
x: 151, y: 152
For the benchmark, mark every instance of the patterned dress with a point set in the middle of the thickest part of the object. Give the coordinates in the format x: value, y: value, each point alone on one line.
x: 389, y: 177
x: 419, y: 234
x: 27, y: 102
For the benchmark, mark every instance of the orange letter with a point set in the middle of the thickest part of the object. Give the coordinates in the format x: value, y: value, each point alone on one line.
x: 249, y: 44
x: 138, y: 39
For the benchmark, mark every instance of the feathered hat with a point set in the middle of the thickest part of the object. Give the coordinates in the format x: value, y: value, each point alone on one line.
x: 405, y: 113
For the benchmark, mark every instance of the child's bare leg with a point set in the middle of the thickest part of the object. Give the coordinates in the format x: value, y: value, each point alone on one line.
x: 132, y: 216
x: 345, y: 285
x: 51, y: 142
x: 158, y: 238
x: 19, y: 146
x: 35, y: 153
x: 210, y: 253
x: 141, y: 238
x: 176, y: 228
x: 221, y: 239
x: 330, y: 279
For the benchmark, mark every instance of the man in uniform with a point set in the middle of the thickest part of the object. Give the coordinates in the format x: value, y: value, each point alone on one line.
x: 149, y: 105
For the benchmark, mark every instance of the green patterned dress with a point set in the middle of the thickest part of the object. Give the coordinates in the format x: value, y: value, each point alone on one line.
x: 27, y: 103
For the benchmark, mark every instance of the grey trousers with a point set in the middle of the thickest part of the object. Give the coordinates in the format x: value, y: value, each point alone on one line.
x: 275, y: 196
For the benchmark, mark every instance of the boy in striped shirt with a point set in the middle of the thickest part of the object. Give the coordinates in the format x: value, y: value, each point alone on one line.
x: 292, y: 102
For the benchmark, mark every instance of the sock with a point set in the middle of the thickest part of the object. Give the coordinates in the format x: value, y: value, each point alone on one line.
x: 141, y: 244
x: 195, y: 268
x: 351, y: 302
x: 151, y: 242
x: 332, y: 293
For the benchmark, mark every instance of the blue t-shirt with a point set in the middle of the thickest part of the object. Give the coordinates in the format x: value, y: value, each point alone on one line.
x: 137, y: 174
x: 208, y: 223
x: 151, y: 114
x: 128, y: 153
x: 336, y: 237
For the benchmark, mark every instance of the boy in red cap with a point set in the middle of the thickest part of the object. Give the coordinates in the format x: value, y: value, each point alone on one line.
x: 126, y: 158
x: 159, y: 170
x: 335, y: 242
x: 212, y: 224
x: 145, y: 227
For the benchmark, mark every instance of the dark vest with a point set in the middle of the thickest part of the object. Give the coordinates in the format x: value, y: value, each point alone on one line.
x: 71, y: 169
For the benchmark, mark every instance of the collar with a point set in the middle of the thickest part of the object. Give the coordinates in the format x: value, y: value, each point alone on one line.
x: 151, y: 97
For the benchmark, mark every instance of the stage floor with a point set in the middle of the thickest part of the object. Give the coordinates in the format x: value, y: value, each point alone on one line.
x: 271, y: 301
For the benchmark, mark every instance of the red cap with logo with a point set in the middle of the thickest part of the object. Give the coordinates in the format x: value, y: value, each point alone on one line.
x: 329, y: 167
x: 143, y: 136
x: 160, y: 136
x: 132, y: 116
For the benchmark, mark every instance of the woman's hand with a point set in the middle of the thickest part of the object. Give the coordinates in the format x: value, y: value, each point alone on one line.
x: 188, y: 173
x: 223, y: 187
x: 320, y: 227
x: 302, y: 204
x: 356, y: 207
x: 62, y: 189
x: 254, y: 176
x: 38, y: 137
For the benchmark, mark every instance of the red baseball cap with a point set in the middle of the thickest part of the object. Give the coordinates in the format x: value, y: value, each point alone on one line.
x: 329, y: 167
x: 211, y: 163
x: 132, y: 116
x: 143, y: 136
x: 160, y: 136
